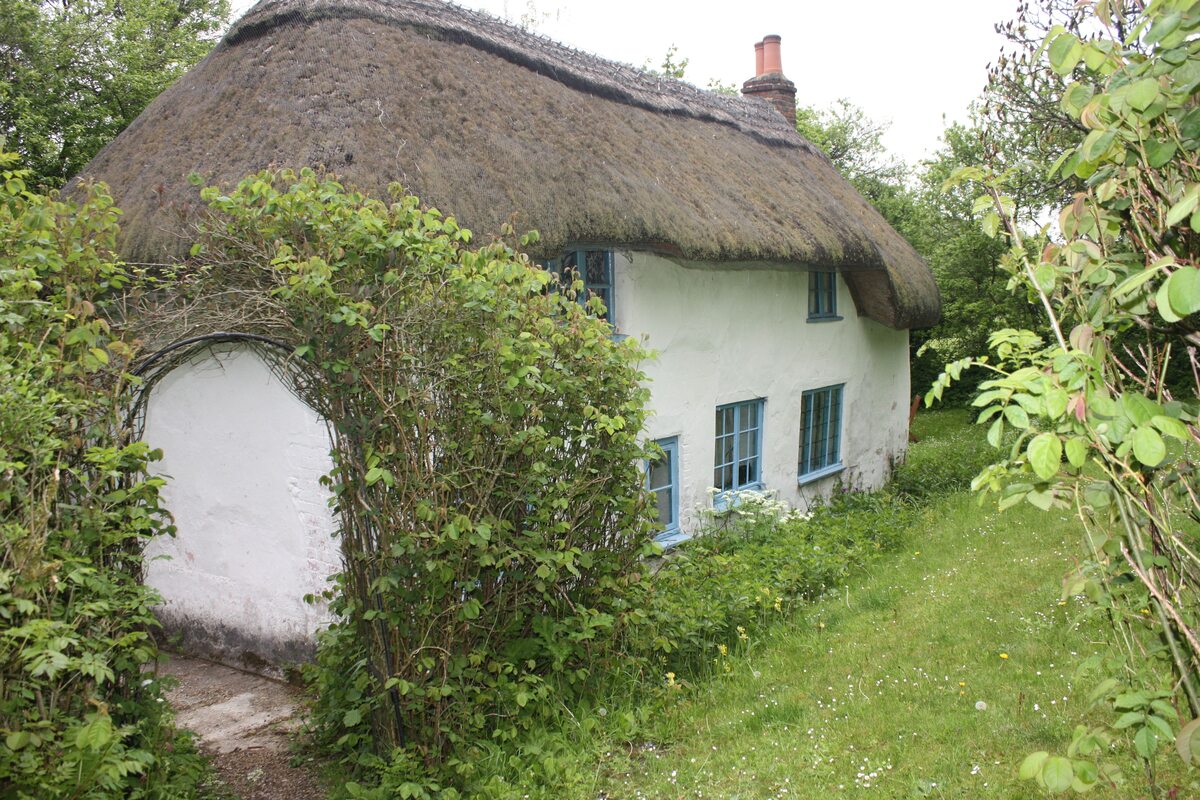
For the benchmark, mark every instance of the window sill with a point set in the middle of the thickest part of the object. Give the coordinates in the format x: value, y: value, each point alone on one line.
x: 826, y: 318
x: 817, y: 475
x: 669, y: 540
x: 727, y: 499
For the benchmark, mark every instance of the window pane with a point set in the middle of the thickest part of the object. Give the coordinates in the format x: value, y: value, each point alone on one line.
x: 724, y: 421
x: 596, y: 270
x: 724, y: 450
x: 660, y: 473
x: 723, y: 477
x: 835, y: 426
x: 664, y: 503
x: 605, y: 297
x: 747, y: 445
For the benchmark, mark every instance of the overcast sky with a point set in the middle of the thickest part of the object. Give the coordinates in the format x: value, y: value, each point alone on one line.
x: 910, y: 62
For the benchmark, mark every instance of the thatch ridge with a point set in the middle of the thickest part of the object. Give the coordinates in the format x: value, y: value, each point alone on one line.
x: 495, y: 125
x: 569, y: 66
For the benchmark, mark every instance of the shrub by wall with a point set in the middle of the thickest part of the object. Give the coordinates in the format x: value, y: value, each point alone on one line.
x: 487, y: 475
x: 755, y: 564
x: 77, y: 716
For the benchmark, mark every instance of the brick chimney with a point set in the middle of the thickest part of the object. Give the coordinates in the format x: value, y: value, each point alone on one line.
x: 768, y: 81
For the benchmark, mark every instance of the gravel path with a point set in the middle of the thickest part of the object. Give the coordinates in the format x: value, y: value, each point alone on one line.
x: 245, y: 723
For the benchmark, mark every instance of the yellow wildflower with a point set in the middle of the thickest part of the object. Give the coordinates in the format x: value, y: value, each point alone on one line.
x: 1004, y: 656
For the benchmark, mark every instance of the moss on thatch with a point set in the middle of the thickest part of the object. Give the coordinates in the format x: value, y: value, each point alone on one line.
x: 495, y: 125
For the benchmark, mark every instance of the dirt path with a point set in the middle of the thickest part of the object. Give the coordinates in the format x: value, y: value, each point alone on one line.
x: 245, y: 723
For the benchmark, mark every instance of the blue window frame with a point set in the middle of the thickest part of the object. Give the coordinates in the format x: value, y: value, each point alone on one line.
x: 662, y: 478
x: 820, y: 432
x: 822, y: 295
x: 594, y: 268
x: 737, y: 459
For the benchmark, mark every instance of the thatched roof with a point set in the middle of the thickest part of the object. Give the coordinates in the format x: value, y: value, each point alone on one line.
x: 494, y: 124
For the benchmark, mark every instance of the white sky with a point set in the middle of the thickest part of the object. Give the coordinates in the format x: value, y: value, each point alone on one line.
x: 908, y: 62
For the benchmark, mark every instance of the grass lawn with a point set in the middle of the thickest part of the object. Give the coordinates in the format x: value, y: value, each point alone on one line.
x: 932, y: 675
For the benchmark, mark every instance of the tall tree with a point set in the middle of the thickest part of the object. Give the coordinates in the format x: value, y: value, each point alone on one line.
x: 1021, y: 114
x: 74, y: 73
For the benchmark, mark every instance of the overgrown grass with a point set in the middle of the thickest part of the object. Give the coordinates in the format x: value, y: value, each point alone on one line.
x: 932, y: 673
x: 948, y: 454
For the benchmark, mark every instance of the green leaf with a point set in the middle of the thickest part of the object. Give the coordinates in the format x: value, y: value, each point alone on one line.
x: 17, y: 739
x: 1045, y: 455
x: 1163, y: 27
x: 352, y: 718
x: 1076, y: 450
x: 1057, y: 774
x: 1171, y: 427
x: 1138, y: 278
x: 1145, y: 742
x: 1148, y: 446
x: 1163, y: 303
x: 1142, y: 93
x: 1159, y: 153
x: 1161, y: 727
x: 1076, y: 97
x: 1128, y: 719
x: 1016, y: 417
x: 1065, y: 52
x: 1097, y: 143
x: 1056, y: 402
x: 1032, y: 765
x: 995, y: 433
x: 1045, y: 276
x: 1186, y: 205
x: 1042, y: 500
x: 1183, y: 290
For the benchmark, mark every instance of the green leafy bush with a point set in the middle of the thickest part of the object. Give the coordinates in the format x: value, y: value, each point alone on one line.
x: 946, y: 457
x: 752, y: 568
x: 77, y: 717
x: 486, y: 442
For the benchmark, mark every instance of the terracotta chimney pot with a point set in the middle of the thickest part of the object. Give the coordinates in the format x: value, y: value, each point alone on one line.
x: 771, y: 59
x: 769, y: 82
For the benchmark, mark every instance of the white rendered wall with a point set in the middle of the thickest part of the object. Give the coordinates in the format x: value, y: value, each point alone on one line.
x: 244, y: 458
x: 727, y: 335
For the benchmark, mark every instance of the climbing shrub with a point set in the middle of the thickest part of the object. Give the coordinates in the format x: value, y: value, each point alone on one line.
x: 77, y: 715
x: 487, y: 481
x: 1100, y: 402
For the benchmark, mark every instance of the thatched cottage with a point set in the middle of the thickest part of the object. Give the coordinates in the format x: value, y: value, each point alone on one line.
x: 780, y: 301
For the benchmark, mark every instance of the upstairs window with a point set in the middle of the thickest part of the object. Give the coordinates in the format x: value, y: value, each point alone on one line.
x: 822, y: 295
x: 820, y: 433
x: 594, y: 268
x: 737, y: 462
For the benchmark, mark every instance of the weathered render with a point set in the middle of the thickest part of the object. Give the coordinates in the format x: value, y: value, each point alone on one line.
x: 244, y: 458
x: 733, y: 335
